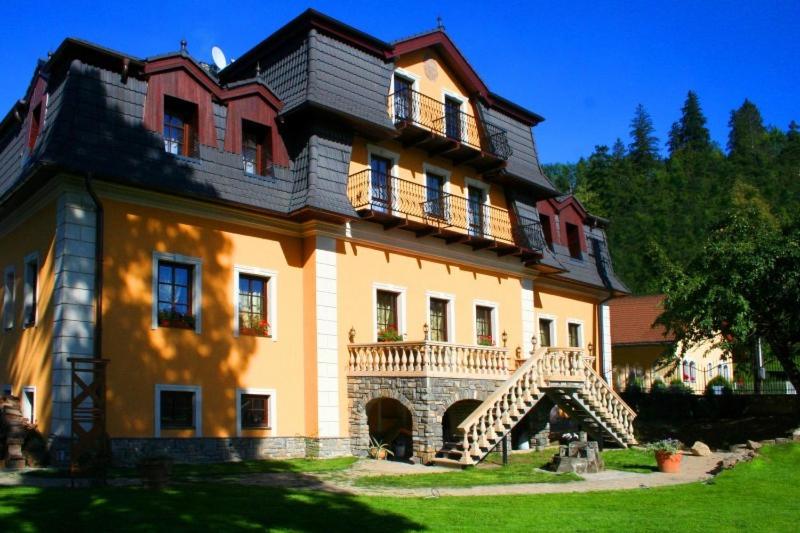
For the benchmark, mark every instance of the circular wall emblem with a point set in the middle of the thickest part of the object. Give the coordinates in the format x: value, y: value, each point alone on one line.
x: 431, y: 69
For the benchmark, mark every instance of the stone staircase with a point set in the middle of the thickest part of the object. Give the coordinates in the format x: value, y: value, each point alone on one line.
x: 564, y: 375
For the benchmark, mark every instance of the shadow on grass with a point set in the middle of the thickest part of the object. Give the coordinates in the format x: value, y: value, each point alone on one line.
x: 225, y: 507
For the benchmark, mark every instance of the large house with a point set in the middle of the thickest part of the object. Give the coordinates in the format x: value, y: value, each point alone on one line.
x: 645, y: 353
x: 334, y: 238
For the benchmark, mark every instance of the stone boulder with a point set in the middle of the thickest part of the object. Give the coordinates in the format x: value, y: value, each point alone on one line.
x: 796, y: 435
x: 753, y: 445
x: 700, y: 449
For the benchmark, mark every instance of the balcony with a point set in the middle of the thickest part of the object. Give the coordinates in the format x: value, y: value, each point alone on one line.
x: 427, y: 359
x: 428, y: 124
x: 399, y: 203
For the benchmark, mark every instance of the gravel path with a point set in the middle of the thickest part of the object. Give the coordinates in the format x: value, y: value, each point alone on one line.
x: 693, y: 469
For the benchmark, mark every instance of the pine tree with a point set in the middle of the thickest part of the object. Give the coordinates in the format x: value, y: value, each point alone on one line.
x: 690, y: 132
x: 643, y: 150
x: 747, y: 131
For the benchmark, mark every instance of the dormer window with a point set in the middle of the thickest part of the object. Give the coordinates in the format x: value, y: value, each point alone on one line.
x: 36, y: 126
x: 574, y: 241
x: 256, y: 148
x: 547, y: 230
x: 180, y: 127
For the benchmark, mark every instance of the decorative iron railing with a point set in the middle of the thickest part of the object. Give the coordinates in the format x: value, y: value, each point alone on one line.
x: 528, y: 233
x: 382, y: 193
x: 410, y: 106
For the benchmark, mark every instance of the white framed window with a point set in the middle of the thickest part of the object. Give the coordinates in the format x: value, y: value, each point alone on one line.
x: 9, y: 289
x: 383, y: 171
x: 30, y: 295
x: 485, y: 322
x: 437, y: 186
x: 455, y: 108
x: 255, y: 292
x: 547, y: 330
x: 388, y: 309
x: 478, y: 219
x: 255, y: 410
x: 404, y: 86
x: 29, y: 403
x: 441, y: 316
x: 177, y: 291
x: 178, y: 407
x: 575, y: 338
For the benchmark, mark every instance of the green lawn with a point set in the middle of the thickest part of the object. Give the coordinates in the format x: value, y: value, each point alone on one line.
x: 759, y: 496
x: 521, y: 469
x: 183, y: 471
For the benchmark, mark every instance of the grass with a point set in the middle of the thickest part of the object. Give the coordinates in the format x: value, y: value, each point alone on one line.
x: 521, y: 469
x: 631, y: 460
x: 760, y: 496
x: 185, y: 471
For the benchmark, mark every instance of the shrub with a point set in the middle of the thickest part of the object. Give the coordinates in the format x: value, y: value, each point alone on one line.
x: 658, y: 386
x: 635, y: 385
x: 677, y: 386
x: 665, y: 446
x: 719, y: 381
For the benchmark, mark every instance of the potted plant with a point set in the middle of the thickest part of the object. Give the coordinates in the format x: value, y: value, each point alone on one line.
x: 155, y: 471
x: 390, y: 334
x: 379, y: 450
x: 668, y: 455
x: 485, y: 340
x: 257, y: 329
x: 718, y: 386
x: 174, y: 319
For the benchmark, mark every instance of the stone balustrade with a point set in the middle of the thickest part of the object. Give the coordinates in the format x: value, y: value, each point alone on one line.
x: 427, y: 358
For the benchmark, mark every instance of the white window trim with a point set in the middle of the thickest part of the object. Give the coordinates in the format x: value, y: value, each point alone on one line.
x: 446, y: 174
x: 30, y: 408
x: 272, y: 295
x: 463, y: 105
x: 31, y: 257
x: 401, y: 307
x: 553, y: 329
x: 581, y: 329
x: 487, y: 222
x: 9, y: 299
x: 272, y: 416
x: 451, y: 312
x: 197, y: 285
x: 414, y: 79
x: 495, y: 320
x: 198, y: 406
x: 394, y: 157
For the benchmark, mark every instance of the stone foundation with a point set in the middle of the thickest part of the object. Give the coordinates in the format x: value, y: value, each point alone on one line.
x: 127, y: 451
x: 426, y: 398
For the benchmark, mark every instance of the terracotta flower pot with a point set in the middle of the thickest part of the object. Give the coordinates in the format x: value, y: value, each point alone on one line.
x: 669, y: 463
x: 378, y: 453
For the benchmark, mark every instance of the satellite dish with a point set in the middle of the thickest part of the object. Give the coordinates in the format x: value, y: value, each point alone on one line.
x: 219, y: 57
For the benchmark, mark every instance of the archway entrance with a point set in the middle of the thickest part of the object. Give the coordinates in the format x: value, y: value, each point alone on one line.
x: 454, y: 415
x: 390, y: 423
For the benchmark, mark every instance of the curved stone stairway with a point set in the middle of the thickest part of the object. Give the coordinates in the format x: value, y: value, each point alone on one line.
x: 566, y: 376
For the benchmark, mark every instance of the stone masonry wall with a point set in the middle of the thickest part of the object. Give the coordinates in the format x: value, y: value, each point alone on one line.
x: 426, y: 398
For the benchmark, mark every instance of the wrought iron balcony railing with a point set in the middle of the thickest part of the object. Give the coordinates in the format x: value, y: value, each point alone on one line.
x: 409, y: 106
x: 389, y: 196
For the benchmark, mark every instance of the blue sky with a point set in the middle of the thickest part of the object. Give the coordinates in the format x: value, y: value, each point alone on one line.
x: 584, y: 66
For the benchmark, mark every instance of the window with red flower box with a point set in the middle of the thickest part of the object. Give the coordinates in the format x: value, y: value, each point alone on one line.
x: 253, y: 316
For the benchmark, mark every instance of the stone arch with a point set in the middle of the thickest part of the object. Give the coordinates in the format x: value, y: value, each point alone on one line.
x: 359, y: 425
x: 458, y: 396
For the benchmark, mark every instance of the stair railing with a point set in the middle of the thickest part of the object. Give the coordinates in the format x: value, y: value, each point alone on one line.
x: 614, y: 406
x: 489, y: 418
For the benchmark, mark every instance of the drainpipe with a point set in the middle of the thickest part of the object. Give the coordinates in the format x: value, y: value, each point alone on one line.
x: 98, y: 266
x: 601, y: 269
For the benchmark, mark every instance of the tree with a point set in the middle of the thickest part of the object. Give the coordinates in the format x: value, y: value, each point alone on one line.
x: 690, y: 132
x: 744, y: 285
x: 746, y: 131
x: 643, y: 149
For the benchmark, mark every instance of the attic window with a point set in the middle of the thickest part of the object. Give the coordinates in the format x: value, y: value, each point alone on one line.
x: 36, y: 126
x: 574, y: 241
x: 256, y: 148
x: 547, y: 229
x: 180, y: 127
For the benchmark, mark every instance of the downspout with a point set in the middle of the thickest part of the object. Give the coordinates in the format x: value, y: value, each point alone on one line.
x: 601, y: 269
x: 98, y: 266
